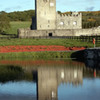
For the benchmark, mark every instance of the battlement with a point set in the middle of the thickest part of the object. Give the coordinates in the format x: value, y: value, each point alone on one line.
x: 70, y: 21
x: 74, y: 14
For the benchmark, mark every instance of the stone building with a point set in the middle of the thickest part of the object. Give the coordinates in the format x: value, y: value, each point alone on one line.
x: 47, y: 18
x: 45, y: 14
x: 73, y: 21
x: 48, y: 23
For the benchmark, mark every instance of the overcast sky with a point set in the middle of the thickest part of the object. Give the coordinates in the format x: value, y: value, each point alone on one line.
x: 62, y: 5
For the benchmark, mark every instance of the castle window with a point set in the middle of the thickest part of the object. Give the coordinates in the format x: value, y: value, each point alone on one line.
x: 48, y: 21
x: 61, y: 23
x: 45, y: 0
x: 68, y: 22
x: 51, y: 4
x: 44, y: 13
x: 75, y: 23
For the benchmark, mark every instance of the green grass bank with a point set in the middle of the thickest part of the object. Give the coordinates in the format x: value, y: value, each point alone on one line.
x: 34, y: 55
x: 62, y: 42
x: 14, y: 25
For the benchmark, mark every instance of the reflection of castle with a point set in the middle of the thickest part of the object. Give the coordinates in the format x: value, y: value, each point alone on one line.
x: 49, y: 74
x: 48, y: 79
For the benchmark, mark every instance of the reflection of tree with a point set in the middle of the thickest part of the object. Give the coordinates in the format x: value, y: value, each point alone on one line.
x: 10, y: 73
x: 13, y: 73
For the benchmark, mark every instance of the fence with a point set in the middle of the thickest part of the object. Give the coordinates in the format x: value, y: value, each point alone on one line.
x: 10, y: 36
x: 78, y: 38
x: 85, y: 38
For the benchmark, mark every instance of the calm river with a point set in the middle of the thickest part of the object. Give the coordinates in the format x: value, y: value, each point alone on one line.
x: 49, y: 80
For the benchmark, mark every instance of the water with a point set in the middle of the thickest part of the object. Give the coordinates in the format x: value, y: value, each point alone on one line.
x: 49, y: 80
x: 21, y: 90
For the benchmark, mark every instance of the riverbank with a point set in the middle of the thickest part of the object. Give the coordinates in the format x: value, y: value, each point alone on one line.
x: 45, y: 55
x: 42, y: 51
x: 60, y: 42
x: 40, y: 48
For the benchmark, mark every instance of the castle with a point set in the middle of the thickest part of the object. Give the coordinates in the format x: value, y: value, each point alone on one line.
x: 47, y: 23
x: 47, y: 18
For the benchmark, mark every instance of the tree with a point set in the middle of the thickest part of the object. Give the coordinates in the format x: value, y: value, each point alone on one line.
x: 59, y: 12
x: 4, y: 22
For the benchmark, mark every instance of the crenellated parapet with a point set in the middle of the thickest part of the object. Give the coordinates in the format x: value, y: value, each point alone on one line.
x: 69, y: 21
x: 74, y: 14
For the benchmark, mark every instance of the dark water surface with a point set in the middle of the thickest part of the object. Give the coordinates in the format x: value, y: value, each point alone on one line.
x: 49, y: 80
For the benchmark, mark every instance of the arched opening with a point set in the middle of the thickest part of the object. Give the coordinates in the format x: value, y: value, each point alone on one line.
x: 50, y: 34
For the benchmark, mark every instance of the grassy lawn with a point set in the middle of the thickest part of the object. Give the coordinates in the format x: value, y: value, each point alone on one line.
x: 35, y: 55
x: 16, y: 25
x: 63, y: 42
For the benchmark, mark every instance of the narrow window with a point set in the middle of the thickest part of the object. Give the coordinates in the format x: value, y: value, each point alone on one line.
x: 44, y: 13
x: 45, y: 0
x: 68, y: 22
x: 75, y: 23
x: 61, y: 23
x: 48, y: 21
x: 51, y: 4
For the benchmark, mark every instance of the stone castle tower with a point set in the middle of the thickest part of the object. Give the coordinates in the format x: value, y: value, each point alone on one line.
x: 45, y: 11
x: 46, y: 17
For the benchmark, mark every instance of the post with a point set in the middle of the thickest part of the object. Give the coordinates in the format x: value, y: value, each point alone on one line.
x: 94, y: 42
x: 95, y: 73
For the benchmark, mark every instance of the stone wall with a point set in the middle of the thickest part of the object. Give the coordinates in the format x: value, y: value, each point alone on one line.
x: 45, y: 14
x: 88, y: 32
x: 92, y: 53
x: 73, y: 21
x: 27, y: 33
x: 46, y: 17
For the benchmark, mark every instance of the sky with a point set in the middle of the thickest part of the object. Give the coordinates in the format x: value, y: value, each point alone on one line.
x: 61, y: 5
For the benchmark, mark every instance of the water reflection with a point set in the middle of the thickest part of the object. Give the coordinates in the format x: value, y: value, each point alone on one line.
x: 10, y: 73
x: 49, y: 80
x: 93, y: 66
x: 13, y: 73
x: 21, y: 90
